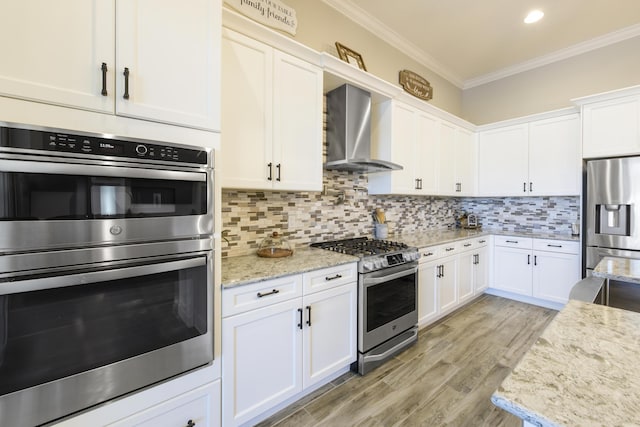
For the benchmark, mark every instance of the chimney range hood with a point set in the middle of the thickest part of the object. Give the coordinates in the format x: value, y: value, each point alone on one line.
x: 349, y: 132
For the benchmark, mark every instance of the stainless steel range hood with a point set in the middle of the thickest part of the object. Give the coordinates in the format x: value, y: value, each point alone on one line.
x: 349, y: 132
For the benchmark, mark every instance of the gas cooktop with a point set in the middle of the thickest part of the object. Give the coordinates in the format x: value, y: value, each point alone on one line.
x: 374, y: 254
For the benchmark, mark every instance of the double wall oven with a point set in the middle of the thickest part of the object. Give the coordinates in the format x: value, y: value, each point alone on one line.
x: 106, y: 268
x: 387, y: 297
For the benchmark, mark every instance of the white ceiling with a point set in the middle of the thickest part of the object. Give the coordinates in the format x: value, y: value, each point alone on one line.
x: 472, y: 42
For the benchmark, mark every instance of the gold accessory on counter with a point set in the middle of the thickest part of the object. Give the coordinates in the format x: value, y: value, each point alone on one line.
x: 274, y: 246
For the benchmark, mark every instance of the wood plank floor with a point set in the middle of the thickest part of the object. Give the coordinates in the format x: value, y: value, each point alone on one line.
x: 446, y: 379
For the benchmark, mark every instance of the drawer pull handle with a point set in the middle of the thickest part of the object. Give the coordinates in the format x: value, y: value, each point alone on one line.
x: 275, y: 291
x: 428, y: 254
x: 512, y: 241
x: 190, y: 423
x: 337, y: 276
x: 483, y: 241
x: 449, y: 249
x: 554, y: 246
x: 466, y: 245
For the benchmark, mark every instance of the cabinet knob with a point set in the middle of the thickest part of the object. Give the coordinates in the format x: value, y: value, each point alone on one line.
x: 190, y: 423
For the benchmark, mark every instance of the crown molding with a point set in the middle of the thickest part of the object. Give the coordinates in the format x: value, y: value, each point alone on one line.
x: 559, y: 55
x: 365, y: 20
x: 377, y: 28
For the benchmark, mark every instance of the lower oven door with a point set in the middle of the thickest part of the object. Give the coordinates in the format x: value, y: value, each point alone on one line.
x: 388, y: 302
x: 70, y: 339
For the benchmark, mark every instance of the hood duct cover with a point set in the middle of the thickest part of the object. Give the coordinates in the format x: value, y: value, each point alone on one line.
x: 349, y: 132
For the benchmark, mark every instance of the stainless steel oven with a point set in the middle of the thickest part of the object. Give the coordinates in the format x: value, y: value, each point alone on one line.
x: 388, y: 315
x: 106, y: 269
x: 60, y: 190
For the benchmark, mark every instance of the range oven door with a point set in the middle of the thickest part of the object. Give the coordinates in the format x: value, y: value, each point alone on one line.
x: 52, y: 203
x: 77, y: 336
x: 388, y: 302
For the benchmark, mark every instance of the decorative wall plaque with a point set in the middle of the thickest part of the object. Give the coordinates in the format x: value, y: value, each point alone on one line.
x: 416, y: 85
x: 272, y: 13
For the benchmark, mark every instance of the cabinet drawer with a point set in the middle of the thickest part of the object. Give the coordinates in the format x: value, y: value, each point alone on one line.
x: 481, y: 241
x: 450, y: 248
x: 328, y: 278
x: 563, y: 246
x: 249, y: 297
x: 430, y: 253
x: 514, y: 242
x: 467, y: 245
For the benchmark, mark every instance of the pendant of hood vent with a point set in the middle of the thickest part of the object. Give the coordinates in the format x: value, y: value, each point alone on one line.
x: 349, y: 132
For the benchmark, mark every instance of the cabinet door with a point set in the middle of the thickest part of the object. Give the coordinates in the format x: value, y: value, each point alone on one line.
x: 503, y: 161
x: 447, y: 167
x: 465, y: 161
x: 297, y: 129
x: 172, y: 53
x: 466, y: 270
x: 427, y: 292
x: 481, y: 273
x: 512, y: 270
x: 448, y: 284
x: 262, y: 360
x: 247, y: 72
x: 555, y: 166
x: 200, y: 406
x: 554, y: 274
x: 329, y: 332
x: 426, y: 153
x: 611, y: 128
x: 52, y: 52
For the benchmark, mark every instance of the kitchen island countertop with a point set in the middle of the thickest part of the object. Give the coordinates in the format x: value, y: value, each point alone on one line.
x: 243, y: 270
x: 580, y: 372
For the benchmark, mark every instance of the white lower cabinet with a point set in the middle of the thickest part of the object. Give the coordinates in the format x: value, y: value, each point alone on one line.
x: 199, y: 407
x: 275, y: 349
x: 539, y: 268
x: 450, y: 275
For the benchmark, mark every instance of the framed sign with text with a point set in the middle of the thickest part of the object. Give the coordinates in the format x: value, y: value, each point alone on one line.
x: 416, y: 85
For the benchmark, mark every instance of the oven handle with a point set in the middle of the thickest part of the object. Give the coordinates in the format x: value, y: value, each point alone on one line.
x: 66, y: 280
x: 97, y: 170
x: 378, y: 280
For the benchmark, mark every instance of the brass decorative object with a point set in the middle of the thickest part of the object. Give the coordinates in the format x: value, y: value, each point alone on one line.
x: 416, y: 85
x: 350, y: 56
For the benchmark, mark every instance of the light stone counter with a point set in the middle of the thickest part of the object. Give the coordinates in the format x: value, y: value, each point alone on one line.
x: 623, y: 269
x: 580, y: 372
x: 423, y: 239
x: 243, y: 270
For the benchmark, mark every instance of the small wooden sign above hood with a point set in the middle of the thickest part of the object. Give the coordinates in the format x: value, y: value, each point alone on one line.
x: 416, y: 85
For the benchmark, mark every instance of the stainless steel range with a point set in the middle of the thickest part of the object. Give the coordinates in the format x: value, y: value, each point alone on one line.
x: 387, y: 297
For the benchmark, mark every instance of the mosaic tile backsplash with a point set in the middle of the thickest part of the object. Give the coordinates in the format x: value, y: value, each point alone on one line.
x: 344, y: 210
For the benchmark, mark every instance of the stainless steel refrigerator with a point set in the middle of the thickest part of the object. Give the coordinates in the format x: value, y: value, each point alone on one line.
x: 612, y: 214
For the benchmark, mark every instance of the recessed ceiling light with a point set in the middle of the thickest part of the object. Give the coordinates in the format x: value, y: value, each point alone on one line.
x: 533, y: 16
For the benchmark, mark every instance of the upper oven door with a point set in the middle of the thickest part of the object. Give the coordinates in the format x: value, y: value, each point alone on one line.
x: 388, y: 301
x: 50, y: 203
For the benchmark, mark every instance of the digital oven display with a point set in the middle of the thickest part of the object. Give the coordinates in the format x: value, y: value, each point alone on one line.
x: 111, y: 148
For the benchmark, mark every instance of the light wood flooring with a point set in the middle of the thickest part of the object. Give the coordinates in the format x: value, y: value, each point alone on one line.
x: 446, y: 379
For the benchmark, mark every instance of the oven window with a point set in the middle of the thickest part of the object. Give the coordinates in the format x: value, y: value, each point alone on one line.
x: 29, y: 196
x: 390, y: 300
x: 51, y: 334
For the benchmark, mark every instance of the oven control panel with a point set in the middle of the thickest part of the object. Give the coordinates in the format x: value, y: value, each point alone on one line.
x: 384, y: 261
x: 93, y: 145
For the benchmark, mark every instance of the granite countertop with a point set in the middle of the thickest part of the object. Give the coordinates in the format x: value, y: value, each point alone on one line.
x: 243, y: 270
x: 623, y: 269
x: 580, y: 372
x: 423, y: 239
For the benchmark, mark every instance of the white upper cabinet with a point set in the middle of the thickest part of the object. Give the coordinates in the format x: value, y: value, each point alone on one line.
x: 53, y: 52
x: 171, y: 51
x: 74, y: 53
x: 457, y: 161
x: 503, y: 161
x: 539, y: 158
x: 611, y: 127
x: 554, y: 156
x: 271, y: 118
